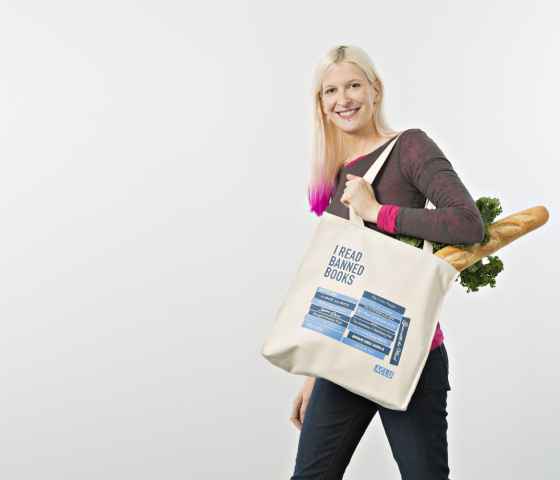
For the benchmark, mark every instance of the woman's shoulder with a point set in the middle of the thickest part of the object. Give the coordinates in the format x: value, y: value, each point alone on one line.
x: 417, y: 153
x: 415, y: 142
x: 413, y: 134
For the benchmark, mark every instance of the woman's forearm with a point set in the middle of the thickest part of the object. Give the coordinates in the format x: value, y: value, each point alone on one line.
x: 451, y: 225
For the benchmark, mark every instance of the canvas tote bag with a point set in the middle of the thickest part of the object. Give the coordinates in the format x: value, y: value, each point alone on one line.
x: 362, y: 310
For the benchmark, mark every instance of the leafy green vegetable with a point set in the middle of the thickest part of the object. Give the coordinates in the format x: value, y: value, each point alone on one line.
x: 483, y: 272
x: 489, y: 209
x: 480, y: 274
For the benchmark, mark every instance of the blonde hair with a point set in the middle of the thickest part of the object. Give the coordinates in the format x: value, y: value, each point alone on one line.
x: 328, y: 149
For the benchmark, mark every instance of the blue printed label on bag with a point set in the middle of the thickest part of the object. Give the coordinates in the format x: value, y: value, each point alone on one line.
x: 373, y: 324
x: 329, y: 313
x: 399, y: 342
x: 381, y: 370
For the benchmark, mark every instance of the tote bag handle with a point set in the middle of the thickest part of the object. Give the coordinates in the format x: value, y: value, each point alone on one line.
x: 369, y: 177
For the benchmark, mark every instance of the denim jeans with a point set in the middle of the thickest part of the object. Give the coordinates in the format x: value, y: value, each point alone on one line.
x: 336, y: 419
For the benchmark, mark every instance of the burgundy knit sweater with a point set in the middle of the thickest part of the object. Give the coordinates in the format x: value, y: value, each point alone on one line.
x: 416, y: 169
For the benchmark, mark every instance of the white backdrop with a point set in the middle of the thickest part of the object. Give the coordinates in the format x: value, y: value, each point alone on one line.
x: 153, y: 209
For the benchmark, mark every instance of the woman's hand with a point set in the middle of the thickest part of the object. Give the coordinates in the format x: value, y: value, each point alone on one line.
x: 301, y: 401
x: 359, y: 193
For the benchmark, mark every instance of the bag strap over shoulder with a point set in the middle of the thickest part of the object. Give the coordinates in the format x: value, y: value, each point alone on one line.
x: 370, y: 175
x: 372, y: 171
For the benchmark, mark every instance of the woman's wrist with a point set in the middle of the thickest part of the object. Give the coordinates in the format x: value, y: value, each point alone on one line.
x: 374, y: 213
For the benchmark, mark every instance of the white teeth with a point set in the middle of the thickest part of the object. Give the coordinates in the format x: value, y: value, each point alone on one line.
x: 348, y: 113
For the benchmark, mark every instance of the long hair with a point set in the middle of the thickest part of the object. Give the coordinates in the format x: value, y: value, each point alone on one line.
x: 328, y: 149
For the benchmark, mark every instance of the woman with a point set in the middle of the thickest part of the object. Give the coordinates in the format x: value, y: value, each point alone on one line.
x: 350, y: 134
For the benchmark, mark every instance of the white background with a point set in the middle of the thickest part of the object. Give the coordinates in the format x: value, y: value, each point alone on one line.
x: 153, y: 210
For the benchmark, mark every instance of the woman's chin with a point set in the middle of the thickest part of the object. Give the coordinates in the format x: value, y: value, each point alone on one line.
x: 350, y: 127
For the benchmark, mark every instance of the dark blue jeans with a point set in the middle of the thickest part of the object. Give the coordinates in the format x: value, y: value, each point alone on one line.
x: 336, y: 419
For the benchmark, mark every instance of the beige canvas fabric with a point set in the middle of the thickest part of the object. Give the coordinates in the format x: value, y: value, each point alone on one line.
x: 362, y: 310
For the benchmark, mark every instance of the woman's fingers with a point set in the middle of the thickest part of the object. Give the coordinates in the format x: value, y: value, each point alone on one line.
x: 302, y: 411
x: 295, y: 418
x: 350, y: 188
x: 345, y: 198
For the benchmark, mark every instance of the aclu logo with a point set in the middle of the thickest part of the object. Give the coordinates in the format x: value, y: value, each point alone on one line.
x: 381, y: 370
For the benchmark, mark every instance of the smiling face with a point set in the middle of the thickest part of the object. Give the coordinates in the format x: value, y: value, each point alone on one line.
x: 348, y: 98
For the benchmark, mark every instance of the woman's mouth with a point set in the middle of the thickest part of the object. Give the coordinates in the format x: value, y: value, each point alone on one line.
x: 348, y: 114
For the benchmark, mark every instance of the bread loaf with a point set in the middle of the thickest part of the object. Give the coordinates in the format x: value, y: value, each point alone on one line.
x: 501, y: 233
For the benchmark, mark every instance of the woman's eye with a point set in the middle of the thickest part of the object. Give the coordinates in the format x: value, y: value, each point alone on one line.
x: 329, y: 90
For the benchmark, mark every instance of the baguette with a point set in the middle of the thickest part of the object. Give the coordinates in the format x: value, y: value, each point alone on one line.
x: 501, y: 234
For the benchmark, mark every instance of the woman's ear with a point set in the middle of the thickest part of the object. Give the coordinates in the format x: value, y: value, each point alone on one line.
x: 377, y: 90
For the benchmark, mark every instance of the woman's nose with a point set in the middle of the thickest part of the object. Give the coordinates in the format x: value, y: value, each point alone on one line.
x: 342, y: 99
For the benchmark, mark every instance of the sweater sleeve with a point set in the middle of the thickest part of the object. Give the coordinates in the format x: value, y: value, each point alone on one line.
x: 456, y: 219
x: 387, y: 218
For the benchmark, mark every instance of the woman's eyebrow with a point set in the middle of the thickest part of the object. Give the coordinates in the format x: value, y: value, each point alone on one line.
x: 349, y: 81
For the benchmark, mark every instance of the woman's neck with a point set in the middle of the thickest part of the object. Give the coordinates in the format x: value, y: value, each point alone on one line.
x: 358, y: 147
